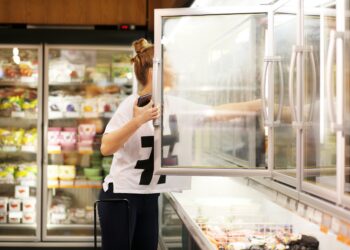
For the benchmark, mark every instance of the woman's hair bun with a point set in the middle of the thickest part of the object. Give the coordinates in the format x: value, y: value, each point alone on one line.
x: 140, y: 45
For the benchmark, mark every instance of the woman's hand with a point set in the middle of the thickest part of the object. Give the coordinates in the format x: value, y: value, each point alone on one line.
x: 145, y: 113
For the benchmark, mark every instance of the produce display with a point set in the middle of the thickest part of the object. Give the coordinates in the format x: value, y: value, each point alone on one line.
x: 16, y: 173
x: 25, y: 71
x: 18, y: 139
x: 18, y: 102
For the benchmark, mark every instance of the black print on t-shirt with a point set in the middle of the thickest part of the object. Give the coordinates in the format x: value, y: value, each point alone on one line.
x: 148, y: 164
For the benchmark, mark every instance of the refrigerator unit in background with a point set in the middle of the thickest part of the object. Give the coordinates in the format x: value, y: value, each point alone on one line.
x: 20, y: 142
x: 83, y: 88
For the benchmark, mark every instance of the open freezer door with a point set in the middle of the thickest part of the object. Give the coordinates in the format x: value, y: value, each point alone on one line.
x: 207, y: 77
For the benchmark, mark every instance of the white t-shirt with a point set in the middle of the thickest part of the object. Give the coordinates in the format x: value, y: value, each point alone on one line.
x: 127, y: 172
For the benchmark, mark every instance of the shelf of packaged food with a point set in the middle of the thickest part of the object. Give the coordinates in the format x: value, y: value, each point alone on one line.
x: 76, y: 187
x: 25, y: 82
x: 69, y: 226
x: 17, y: 225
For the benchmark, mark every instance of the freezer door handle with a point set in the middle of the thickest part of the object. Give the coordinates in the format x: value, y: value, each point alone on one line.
x: 314, y: 83
x: 330, y: 90
x: 291, y: 90
x: 267, y: 62
x: 156, y: 91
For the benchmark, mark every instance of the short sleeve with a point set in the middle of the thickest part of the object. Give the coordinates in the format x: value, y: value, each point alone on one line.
x: 121, y: 116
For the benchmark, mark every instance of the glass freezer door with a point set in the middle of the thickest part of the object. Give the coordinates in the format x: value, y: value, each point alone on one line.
x: 207, y: 78
x: 20, y: 142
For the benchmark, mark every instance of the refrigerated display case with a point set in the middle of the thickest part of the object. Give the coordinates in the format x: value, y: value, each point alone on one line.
x: 20, y: 137
x: 233, y: 215
x: 83, y: 88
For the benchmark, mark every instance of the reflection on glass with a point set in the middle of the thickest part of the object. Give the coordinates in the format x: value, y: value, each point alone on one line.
x: 284, y: 133
x: 18, y: 141
x: 211, y: 67
x: 319, y: 141
x: 347, y: 96
x: 85, y: 89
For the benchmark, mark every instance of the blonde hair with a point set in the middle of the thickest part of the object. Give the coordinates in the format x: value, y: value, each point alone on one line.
x: 143, y: 60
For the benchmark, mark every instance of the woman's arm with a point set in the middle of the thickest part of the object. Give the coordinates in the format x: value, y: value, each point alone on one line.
x: 239, y: 109
x: 113, y: 141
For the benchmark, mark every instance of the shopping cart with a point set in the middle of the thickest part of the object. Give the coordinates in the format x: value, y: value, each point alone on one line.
x: 124, y: 202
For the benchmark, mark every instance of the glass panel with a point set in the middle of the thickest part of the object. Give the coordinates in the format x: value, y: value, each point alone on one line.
x: 347, y: 96
x: 19, y: 76
x: 284, y: 133
x: 208, y: 62
x: 85, y: 88
x: 319, y: 141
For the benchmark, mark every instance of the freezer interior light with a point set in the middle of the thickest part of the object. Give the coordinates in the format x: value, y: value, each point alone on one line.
x: 16, y: 59
x: 15, y: 51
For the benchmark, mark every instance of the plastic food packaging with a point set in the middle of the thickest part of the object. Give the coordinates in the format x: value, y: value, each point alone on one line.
x: 66, y: 172
x: 21, y: 192
x: 28, y: 218
x: 14, y: 205
x: 54, y: 134
x: 68, y: 140
x: 52, y: 172
x: 86, y: 132
x: 29, y: 204
x: 15, y: 217
x: 3, y: 204
x: 3, y: 217
x: 72, y: 105
x: 89, y: 107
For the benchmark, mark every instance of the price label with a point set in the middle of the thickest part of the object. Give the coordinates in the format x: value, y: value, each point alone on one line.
x: 326, y: 223
x: 301, y: 209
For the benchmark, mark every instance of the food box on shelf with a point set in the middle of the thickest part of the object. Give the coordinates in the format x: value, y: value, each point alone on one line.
x: 56, y: 107
x: 3, y: 204
x: 66, y: 172
x: 58, y: 217
x: 68, y: 140
x: 52, y: 172
x: 3, y: 217
x: 89, y: 108
x: 28, y: 204
x: 28, y: 218
x: 15, y: 217
x: 21, y: 192
x: 72, y: 106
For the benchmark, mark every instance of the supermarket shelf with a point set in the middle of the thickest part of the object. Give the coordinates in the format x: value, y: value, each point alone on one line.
x: 18, y: 83
x: 68, y: 226
x: 105, y: 115
x: 70, y: 152
x: 22, y: 226
x: 66, y: 84
x: 5, y: 120
x: 77, y: 187
x: 16, y: 151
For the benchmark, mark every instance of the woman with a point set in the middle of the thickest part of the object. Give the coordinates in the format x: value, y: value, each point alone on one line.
x: 129, y: 137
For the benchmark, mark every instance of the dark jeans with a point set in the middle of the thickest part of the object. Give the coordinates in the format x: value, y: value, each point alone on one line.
x: 143, y: 219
